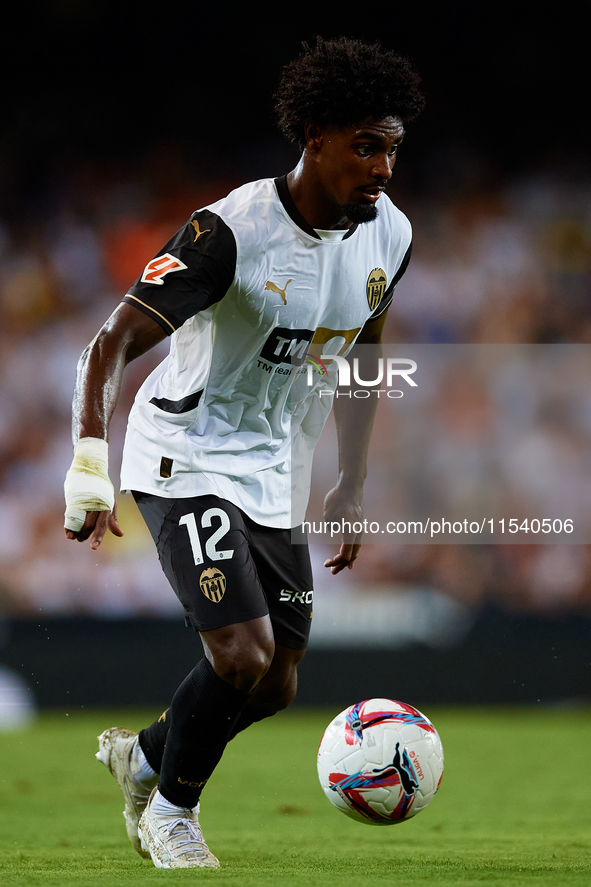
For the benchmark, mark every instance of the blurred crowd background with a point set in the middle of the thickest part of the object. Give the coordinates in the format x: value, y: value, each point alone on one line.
x: 124, y: 120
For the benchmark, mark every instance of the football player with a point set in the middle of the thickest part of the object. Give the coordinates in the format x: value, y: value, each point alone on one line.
x: 219, y: 441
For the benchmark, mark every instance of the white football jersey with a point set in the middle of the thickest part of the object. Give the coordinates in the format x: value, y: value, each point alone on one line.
x: 247, y: 289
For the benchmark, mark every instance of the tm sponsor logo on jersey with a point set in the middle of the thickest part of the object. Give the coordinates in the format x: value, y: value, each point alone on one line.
x: 285, y: 346
x: 296, y: 597
x: 158, y: 268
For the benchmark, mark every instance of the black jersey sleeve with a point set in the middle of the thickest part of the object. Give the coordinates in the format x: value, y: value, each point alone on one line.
x: 192, y: 272
x: 389, y: 294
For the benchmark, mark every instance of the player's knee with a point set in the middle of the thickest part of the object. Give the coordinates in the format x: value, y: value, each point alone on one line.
x: 241, y: 654
x: 244, y: 668
x: 282, y: 697
x: 276, y: 694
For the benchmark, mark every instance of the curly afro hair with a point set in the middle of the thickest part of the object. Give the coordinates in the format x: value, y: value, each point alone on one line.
x: 342, y: 82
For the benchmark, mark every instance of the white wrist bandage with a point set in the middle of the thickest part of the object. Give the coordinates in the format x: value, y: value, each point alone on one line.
x: 87, y: 486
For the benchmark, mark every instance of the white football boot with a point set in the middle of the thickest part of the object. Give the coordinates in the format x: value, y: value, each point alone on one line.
x: 116, y: 746
x: 175, y: 840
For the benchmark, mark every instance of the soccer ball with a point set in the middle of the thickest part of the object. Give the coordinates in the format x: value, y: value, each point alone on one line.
x: 380, y: 761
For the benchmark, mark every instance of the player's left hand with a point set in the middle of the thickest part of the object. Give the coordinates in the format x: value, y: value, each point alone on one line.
x: 345, y: 558
x: 344, y: 503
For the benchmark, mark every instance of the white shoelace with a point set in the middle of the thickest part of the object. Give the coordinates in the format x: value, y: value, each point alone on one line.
x: 143, y: 799
x: 194, y: 837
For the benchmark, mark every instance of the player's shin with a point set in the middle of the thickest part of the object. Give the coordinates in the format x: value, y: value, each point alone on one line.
x: 202, y: 714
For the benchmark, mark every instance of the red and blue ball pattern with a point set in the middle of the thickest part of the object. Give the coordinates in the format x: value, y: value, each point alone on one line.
x: 380, y: 761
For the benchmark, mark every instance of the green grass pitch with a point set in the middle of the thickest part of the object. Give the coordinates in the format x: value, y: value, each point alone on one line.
x: 514, y: 808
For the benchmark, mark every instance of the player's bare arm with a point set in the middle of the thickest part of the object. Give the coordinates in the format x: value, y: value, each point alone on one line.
x: 127, y: 334
x: 354, y: 422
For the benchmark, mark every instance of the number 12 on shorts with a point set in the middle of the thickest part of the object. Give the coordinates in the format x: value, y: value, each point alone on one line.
x: 188, y: 520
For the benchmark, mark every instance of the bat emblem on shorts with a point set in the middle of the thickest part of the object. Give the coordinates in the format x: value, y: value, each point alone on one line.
x: 277, y: 289
x: 213, y: 584
x: 198, y: 231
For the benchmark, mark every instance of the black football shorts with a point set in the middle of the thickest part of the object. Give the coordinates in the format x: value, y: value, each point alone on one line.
x: 225, y: 568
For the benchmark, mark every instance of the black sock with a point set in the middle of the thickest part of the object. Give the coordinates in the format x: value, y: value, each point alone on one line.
x: 201, y: 716
x: 249, y: 715
x: 153, y: 739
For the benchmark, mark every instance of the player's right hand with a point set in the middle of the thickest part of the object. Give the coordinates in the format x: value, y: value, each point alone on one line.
x: 89, y: 493
x: 95, y: 526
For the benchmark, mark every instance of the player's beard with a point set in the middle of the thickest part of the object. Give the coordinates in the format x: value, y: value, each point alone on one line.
x: 360, y: 212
